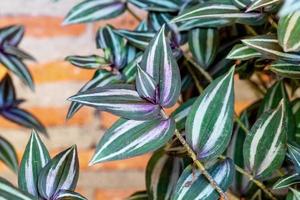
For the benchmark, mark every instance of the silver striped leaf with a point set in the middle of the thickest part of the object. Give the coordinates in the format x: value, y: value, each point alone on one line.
x: 243, y: 52
x: 289, y: 6
x: 146, y: 86
x: 289, y: 32
x: 11, y: 35
x: 158, y: 6
x: 157, y: 19
x: 140, y: 195
x: 129, y: 138
x: 257, y: 4
x: 129, y: 71
x: 8, y: 155
x: 139, y: 39
x: 35, y: 157
x: 100, y: 78
x: 293, y: 194
x: 204, y: 43
x: 93, y: 10
x: 88, y: 62
x: 210, y: 121
x: 162, y: 174
x: 158, y: 61
x: 192, y: 185
x: 242, y: 4
x: 287, y: 181
x: 204, y: 23
x: 265, y: 146
x: 122, y: 100
x: 15, y: 51
x: 68, y: 195
x: 294, y: 155
x: 209, y: 11
x: 181, y: 113
x: 268, y: 46
x: 10, y: 192
x: 7, y: 92
x: 296, y: 112
x: 60, y: 173
x: 285, y: 69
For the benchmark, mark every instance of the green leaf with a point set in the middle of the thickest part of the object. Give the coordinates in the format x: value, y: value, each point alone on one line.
x: 35, y: 157
x: 242, y: 52
x: 158, y: 61
x: 146, y: 86
x: 203, y: 44
x: 158, y: 6
x: 289, y: 32
x: 296, y: 112
x: 8, y: 191
x: 15, y: 51
x: 11, y: 35
x: 61, y: 173
x: 141, y: 195
x: 204, y: 23
x: 162, y: 174
x: 129, y: 71
x: 241, y: 3
x: 129, y: 138
x: 287, y: 181
x: 139, y: 39
x: 192, y: 185
x: 88, y: 62
x: 289, y: 7
x: 7, y: 92
x: 210, y: 122
x: 8, y: 155
x: 69, y: 195
x: 294, y: 155
x: 286, y: 70
x: 295, y: 195
x: 181, y: 113
x: 265, y: 145
x: 268, y: 46
x: 257, y: 4
x: 93, y: 10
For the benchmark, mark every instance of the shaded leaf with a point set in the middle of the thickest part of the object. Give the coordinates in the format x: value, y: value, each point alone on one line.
x: 11, y: 35
x: 146, y: 86
x: 287, y: 181
x: 159, y: 6
x: 256, y: 4
x: 141, y: 195
x: 294, y: 155
x: 242, y: 52
x: 139, y: 39
x: 8, y: 155
x: 87, y: 62
x: 181, y: 113
x: 8, y: 191
x: 286, y: 70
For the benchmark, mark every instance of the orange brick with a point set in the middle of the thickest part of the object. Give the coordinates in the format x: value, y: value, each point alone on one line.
x: 107, y: 120
x: 113, y: 194
x: 43, y: 26
x: 240, y: 106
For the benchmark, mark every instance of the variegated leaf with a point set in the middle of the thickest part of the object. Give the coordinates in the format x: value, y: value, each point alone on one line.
x: 256, y: 4
x: 141, y: 195
x: 210, y: 122
x: 158, y: 61
x: 294, y: 155
x: 15, y: 51
x: 268, y: 46
x: 241, y: 3
x: 294, y: 195
x: 204, y: 23
x: 139, y: 39
x: 289, y: 32
x: 129, y: 71
x: 35, y: 157
x: 10, y: 192
x: 204, y: 43
x: 88, y: 62
x: 162, y: 174
x: 146, y: 86
x: 296, y: 112
x: 285, y: 69
x: 100, y: 78
x: 181, y: 113
x: 242, y: 52
x: 287, y: 181
x: 158, y: 6
x: 129, y: 138
x: 11, y: 35
x: 68, y: 195
x: 289, y: 6
x: 61, y: 173
x: 8, y: 155
x: 122, y: 100
x: 7, y: 92
x: 93, y: 10
x: 158, y: 19
x: 265, y: 145
x: 192, y: 185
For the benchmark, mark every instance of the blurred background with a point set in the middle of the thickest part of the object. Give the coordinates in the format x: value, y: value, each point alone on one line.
x: 56, y: 80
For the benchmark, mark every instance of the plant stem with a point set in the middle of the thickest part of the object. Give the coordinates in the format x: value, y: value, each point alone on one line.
x: 250, y: 30
x: 240, y: 123
x: 272, y: 22
x: 133, y: 14
x: 197, y: 83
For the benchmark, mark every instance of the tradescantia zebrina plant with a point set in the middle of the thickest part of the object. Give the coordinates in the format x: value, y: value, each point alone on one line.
x: 185, y: 55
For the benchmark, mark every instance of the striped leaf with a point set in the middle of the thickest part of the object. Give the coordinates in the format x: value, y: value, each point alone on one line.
x: 269, y: 47
x: 93, y: 10
x: 289, y: 6
x: 157, y: 19
x: 296, y: 112
x: 15, y: 51
x: 23, y: 118
x: 146, y: 86
x: 8, y: 155
x: 204, y: 23
x: 192, y: 185
x: 121, y: 100
x: 286, y: 70
x: 7, y: 92
x: 141, y: 195
x: 210, y: 121
x: 257, y: 4
x: 203, y: 44
x: 8, y: 191
x: 181, y: 113
x: 294, y: 155
x: 139, y: 39
x: 243, y: 52
x: 287, y: 181
x: 264, y: 147
x: 242, y: 4
x: 129, y: 71
x: 162, y: 174
x: 129, y: 138
x: 158, y: 6
x: 61, y: 173
x: 289, y: 32
x: 210, y: 11
x: 100, y: 78
x: 88, y: 62
x: 294, y: 195
x: 68, y: 195
x: 16, y: 66
x: 35, y: 157
x: 11, y: 35
x: 107, y: 39
x: 158, y: 61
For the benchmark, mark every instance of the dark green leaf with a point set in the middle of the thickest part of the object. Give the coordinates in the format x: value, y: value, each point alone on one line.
x: 10, y: 192
x: 287, y: 181
x: 8, y: 155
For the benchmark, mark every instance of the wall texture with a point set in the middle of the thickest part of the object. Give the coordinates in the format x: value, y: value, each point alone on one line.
x: 56, y: 80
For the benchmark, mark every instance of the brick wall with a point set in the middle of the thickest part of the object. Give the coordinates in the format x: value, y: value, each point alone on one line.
x: 56, y: 80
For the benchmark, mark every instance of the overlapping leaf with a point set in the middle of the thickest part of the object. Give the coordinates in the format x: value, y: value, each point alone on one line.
x: 242, y: 52
x: 8, y: 191
x: 128, y: 138
x: 294, y: 155
x: 146, y: 86
x: 69, y: 195
x: 141, y: 195
x: 285, y: 69
x: 8, y: 155
x: 88, y: 62
x: 241, y: 3
x: 159, y: 6
x: 256, y: 4
x: 129, y: 71
x: 287, y: 181
x: 210, y: 122
x: 11, y: 35
x: 139, y: 39
x: 289, y: 6
x: 181, y: 113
